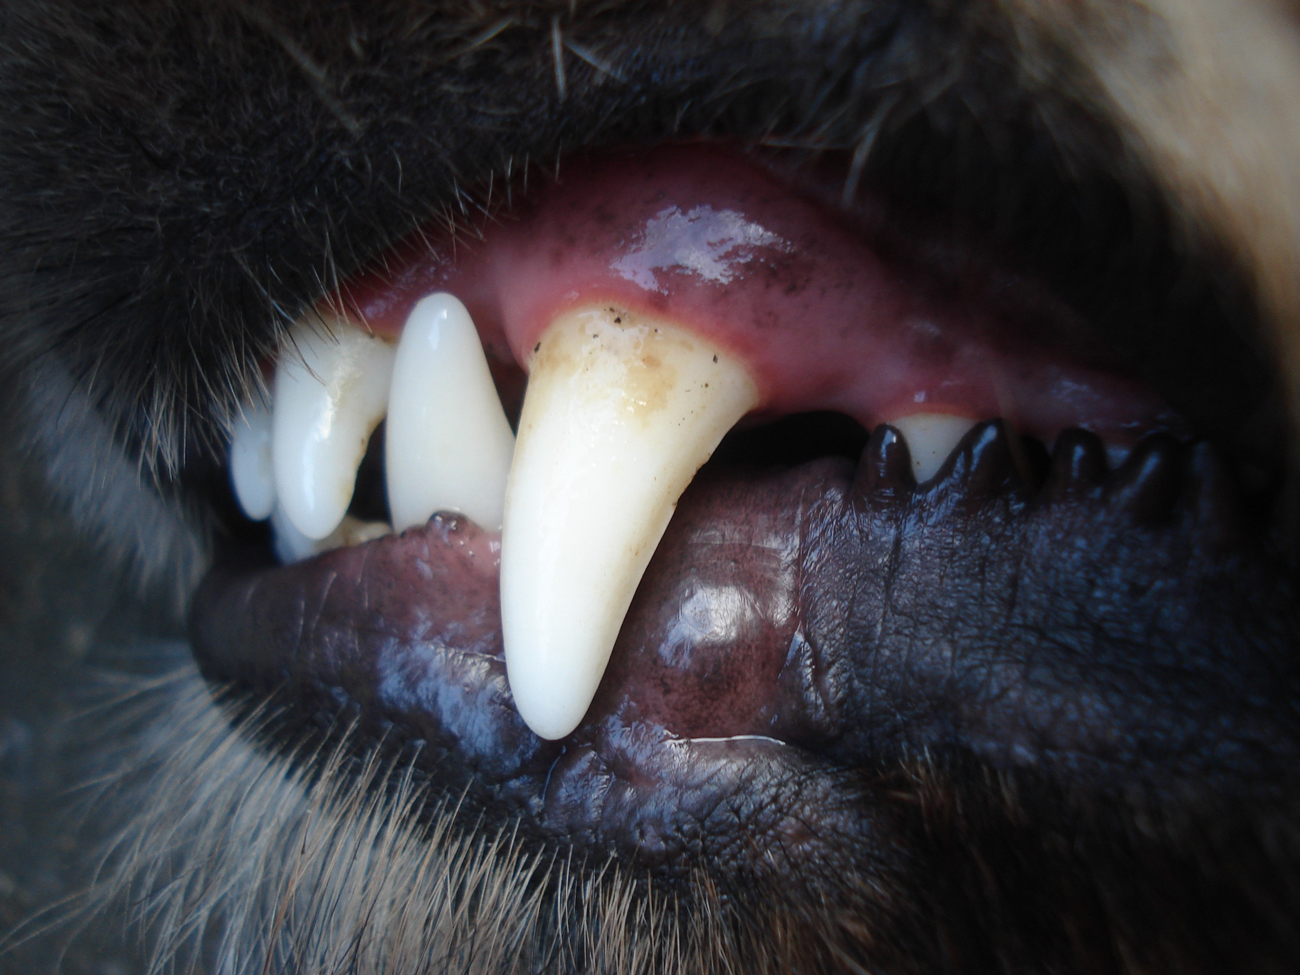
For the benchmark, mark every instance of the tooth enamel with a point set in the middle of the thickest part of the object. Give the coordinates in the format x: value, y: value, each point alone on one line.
x: 448, y: 443
x: 292, y: 545
x: 620, y: 413
x: 251, y: 470
x: 930, y: 438
x: 331, y: 390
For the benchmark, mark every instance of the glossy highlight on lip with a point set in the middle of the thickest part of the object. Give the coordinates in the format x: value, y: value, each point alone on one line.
x: 713, y: 245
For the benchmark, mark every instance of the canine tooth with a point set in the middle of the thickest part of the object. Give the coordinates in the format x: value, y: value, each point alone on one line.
x: 448, y: 443
x: 931, y: 437
x: 619, y: 414
x: 331, y: 390
x: 251, y: 471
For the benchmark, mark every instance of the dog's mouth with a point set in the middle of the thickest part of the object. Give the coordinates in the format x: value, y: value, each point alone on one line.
x: 945, y: 519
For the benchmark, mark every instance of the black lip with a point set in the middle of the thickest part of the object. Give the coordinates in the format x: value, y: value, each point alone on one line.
x: 1012, y: 610
x: 693, y: 740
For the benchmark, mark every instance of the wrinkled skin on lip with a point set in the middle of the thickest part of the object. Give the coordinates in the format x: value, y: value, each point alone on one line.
x: 802, y: 630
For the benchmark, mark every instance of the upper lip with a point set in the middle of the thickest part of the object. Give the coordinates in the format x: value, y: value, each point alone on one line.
x: 337, y: 164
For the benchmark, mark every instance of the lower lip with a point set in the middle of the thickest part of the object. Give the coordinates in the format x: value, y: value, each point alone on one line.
x: 404, y: 633
x: 796, y: 633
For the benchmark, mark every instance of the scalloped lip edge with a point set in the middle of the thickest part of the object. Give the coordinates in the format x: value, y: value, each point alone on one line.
x: 400, y: 634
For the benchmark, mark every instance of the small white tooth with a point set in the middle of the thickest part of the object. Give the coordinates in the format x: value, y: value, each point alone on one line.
x: 1116, y: 454
x: 620, y: 413
x: 251, y: 470
x: 930, y: 438
x: 448, y: 443
x: 292, y: 545
x: 331, y: 390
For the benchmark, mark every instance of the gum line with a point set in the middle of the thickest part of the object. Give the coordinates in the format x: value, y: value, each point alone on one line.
x: 824, y: 322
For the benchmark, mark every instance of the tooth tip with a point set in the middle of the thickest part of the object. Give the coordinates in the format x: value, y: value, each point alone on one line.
x: 555, y: 671
x: 588, y: 502
x: 251, y: 472
x: 930, y: 438
x: 329, y: 394
x: 552, y: 704
x: 546, y: 723
x: 449, y: 442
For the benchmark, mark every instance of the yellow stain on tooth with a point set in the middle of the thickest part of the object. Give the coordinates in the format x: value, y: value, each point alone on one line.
x: 621, y: 410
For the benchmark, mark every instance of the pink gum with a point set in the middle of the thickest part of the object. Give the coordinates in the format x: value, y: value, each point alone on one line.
x: 702, y: 238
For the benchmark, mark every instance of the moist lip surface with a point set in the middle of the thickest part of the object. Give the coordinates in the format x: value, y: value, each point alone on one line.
x: 800, y: 627
x: 800, y: 630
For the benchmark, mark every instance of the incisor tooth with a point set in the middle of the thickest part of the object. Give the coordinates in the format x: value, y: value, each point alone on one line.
x: 251, y: 469
x: 931, y: 437
x: 448, y: 444
x: 292, y: 545
x: 620, y: 413
x: 331, y: 390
